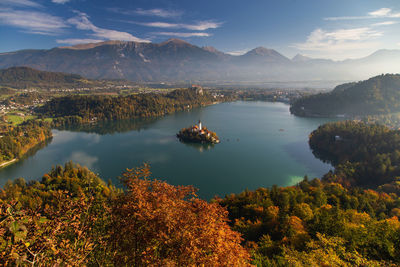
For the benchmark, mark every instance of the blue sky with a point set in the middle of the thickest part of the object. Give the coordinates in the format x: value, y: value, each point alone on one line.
x: 335, y: 29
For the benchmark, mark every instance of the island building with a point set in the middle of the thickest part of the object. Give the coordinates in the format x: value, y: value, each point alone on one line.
x: 198, y: 133
x: 199, y: 129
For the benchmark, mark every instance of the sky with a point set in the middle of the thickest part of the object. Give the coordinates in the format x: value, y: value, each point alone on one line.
x: 334, y: 29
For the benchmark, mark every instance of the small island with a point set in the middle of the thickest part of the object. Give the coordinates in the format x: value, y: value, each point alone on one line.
x: 198, y: 134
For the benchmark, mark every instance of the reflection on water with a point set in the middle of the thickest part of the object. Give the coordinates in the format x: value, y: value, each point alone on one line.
x: 10, y: 169
x: 300, y: 152
x: 84, y: 159
x: 36, y: 148
x: 111, y: 127
x: 199, y: 147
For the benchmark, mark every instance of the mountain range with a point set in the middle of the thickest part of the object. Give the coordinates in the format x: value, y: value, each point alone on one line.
x: 179, y: 61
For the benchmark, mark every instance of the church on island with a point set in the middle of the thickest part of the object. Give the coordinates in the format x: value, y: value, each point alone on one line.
x: 198, y: 134
x: 198, y: 129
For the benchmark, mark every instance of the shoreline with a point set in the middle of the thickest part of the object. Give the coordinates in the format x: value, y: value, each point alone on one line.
x: 5, y: 164
x: 85, y: 122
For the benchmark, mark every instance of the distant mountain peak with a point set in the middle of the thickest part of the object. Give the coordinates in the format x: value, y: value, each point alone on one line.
x: 92, y: 45
x: 266, y: 55
x: 262, y: 51
x: 211, y: 49
x: 175, y: 41
x: 300, y: 58
x: 215, y: 51
x: 384, y: 52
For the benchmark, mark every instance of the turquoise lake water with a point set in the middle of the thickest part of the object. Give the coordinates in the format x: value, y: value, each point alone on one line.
x: 262, y: 144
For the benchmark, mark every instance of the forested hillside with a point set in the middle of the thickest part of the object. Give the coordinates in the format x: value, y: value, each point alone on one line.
x: 25, y: 77
x: 338, y: 220
x: 363, y: 155
x: 317, y: 224
x: 78, y: 109
x: 378, y: 95
x: 71, y: 217
x: 15, y: 141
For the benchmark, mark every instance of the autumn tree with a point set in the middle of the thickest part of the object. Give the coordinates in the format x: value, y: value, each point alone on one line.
x: 158, y: 224
x: 63, y: 235
x: 327, y: 251
x: 63, y: 219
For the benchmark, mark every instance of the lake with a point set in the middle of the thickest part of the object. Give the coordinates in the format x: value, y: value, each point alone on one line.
x: 262, y: 144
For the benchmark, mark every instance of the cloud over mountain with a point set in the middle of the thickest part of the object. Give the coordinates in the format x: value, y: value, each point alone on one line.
x: 82, y: 22
x: 199, y: 26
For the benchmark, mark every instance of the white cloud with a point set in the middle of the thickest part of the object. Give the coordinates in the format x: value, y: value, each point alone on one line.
x: 380, y: 13
x: 158, y: 12
x: 78, y: 41
x: 82, y: 22
x: 60, y: 1
x: 347, y: 18
x: 238, y: 52
x: 200, y: 26
x: 32, y: 22
x: 395, y: 15
x: 340, y: 44
x: 385, y: 23
x: 26, y: 3
x: 184, y: 34
x: 384, y: 13
x: 349, y: 34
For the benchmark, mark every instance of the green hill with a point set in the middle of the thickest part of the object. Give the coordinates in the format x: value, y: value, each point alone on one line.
x: 25, y: 77
x: 378, y: 95
x: 77, y: 109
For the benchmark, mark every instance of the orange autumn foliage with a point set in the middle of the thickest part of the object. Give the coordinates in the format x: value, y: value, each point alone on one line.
x: 60, y: 238
x: 157, y: 224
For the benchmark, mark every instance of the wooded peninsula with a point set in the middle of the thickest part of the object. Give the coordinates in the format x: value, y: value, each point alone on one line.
x: 16, y: 141
x: 84, y: 109
x: 377, y: 95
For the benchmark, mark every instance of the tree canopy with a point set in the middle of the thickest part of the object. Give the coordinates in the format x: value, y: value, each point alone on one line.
x: 363, y: 154
x: 72, y: 217
x: 79, y: 109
